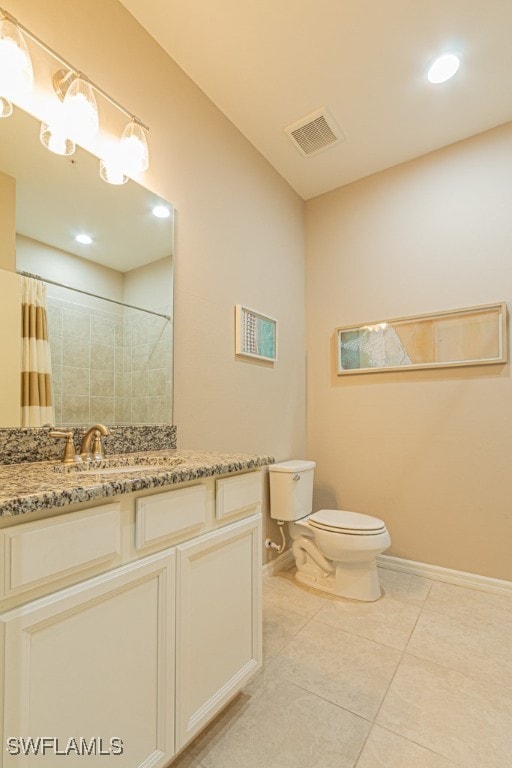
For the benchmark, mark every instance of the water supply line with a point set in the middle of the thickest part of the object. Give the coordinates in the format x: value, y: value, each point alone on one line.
x: 269, y: 544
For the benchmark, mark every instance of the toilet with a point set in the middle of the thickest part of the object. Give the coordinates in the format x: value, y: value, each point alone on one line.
x: 335, y: 551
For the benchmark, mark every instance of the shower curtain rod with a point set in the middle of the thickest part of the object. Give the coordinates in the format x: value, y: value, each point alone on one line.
x: 94, y: 295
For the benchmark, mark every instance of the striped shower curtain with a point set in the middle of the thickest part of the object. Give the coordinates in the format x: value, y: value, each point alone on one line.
x: 36, y: 392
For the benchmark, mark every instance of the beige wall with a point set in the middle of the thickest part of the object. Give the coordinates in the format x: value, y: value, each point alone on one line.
x: 150, y: 286
x: 63, y: 267
x: 239, y: 234
x: 7, y: 226
x: 239, y: 231
x: 428, y: 451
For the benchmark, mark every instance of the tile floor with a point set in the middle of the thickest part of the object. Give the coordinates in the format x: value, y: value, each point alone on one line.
x: 420, y: 679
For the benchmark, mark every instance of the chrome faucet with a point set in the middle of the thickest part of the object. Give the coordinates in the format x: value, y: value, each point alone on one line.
x: 92, y: 445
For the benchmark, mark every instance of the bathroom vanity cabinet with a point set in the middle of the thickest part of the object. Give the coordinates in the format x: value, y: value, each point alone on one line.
x: 127, y: 625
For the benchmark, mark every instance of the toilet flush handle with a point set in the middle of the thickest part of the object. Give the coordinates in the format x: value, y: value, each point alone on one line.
x: 296, y: 477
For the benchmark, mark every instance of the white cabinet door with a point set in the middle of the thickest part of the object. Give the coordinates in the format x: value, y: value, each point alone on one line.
x: 91, y: 664
x: 218, y: 621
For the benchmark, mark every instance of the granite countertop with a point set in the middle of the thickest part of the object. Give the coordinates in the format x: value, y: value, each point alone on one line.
x: 27, y: 487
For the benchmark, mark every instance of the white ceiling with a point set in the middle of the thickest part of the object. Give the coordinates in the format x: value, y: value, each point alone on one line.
x: 269, y: 63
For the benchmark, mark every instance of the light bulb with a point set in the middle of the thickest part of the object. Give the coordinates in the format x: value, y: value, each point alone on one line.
x: 134, y: 149
x: 80, y: 111
x: 16, y: 73
x: 57, y: 144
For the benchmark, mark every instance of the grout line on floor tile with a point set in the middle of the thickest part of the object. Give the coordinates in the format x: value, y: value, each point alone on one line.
x: 359, y: 754
x: 452, y: 762
x: 360, y: 637
x: 397, y: 666
x: 505, y: 688
x: 418, y: 604
x: 324, y: 698
x: 287, y: 641
x: 475, y: 618
x: 428, y: 593
x: 364, y: 637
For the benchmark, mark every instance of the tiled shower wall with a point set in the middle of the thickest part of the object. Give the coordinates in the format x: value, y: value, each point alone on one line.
x: 111, y: 365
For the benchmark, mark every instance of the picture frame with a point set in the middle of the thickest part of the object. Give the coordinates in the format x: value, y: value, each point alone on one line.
x: 255, y: 334
x: 457, y: 337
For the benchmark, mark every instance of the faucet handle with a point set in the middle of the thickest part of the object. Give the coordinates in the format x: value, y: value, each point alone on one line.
x: 69, y: 456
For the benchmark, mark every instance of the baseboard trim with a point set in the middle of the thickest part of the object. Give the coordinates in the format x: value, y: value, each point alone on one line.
x: 280, y: 563
x: 433, y: 572
x: 437, y: 573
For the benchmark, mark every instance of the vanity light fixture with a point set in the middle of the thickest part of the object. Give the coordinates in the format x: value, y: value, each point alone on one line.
x: 134, y: 148
x: 129, y: 157
x: 5, y: 107
x: 112, y: 172
x: 55, y: 140
x: 79, y: 109
x: 84, y: 239
x: 16, y: 73
x: 443, y: 68
x: 77, y: 119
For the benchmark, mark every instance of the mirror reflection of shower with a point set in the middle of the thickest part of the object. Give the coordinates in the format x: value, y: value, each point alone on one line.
x: 109, y: 364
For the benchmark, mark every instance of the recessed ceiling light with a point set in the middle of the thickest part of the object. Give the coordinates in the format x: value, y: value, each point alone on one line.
x: 161, y: 212
x: 84, y: 239
x: 443, y: 68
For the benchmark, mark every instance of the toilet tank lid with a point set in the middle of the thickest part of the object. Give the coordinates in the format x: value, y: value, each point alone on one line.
x: 295, y: 465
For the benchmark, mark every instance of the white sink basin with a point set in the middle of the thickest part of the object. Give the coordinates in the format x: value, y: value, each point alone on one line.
x: 121, y: 464
x: 122, y: 468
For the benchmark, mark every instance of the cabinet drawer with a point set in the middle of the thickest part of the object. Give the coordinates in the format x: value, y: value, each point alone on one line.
x: 163, y: 516
x: 241, y: 493
x: 41, y: 552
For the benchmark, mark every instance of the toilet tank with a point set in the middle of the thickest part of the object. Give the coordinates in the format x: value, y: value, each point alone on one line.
x: 291, y: 489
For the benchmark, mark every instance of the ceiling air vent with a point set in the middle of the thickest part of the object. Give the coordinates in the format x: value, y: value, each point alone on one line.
x: 314, y: 132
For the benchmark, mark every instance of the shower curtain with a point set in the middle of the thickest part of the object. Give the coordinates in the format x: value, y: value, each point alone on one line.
x: 36, y: 393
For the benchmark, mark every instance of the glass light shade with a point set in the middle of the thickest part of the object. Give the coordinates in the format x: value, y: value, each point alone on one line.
x: 134, y: 149
x: 16, y: 73
x: 112, y: 173
x: 5, y: 107
x: 80, y: 111
x: 443, y: 68
x: 55, y: 140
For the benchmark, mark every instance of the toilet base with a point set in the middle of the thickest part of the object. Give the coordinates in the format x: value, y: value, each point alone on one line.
x: 356, y: 581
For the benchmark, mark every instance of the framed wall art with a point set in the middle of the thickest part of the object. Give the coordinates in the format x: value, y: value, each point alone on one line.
x: 255, y: 334
x: 469, y: 336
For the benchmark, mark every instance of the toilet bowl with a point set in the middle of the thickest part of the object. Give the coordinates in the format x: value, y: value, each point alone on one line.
x: 335, y: 550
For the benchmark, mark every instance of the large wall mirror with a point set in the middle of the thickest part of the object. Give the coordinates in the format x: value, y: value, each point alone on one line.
x: 111, y: 336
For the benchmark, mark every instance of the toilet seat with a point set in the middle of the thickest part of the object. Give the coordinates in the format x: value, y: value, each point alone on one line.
x: 340, y: 521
